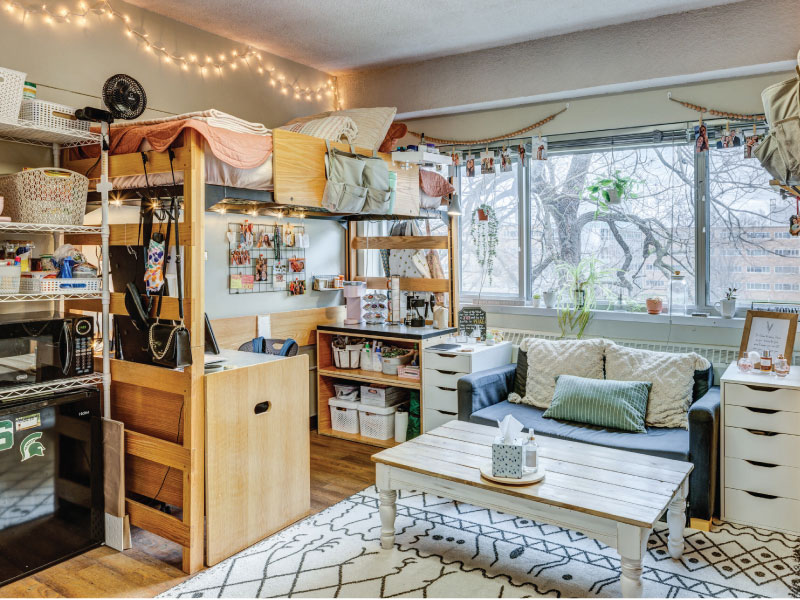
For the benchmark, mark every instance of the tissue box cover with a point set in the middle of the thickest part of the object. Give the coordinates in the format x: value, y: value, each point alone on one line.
x: 507, y: 459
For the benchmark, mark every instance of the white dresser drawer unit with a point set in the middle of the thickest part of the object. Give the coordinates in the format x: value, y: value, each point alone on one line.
x: 760, y: 437
x: 441, y: 370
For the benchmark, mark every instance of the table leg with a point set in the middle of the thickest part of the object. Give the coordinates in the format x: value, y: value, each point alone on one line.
x: 388, y: 510
x: 631, y: 542
x: 676, y: 519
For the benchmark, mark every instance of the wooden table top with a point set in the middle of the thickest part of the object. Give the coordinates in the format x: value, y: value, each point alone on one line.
x: 623, y: 486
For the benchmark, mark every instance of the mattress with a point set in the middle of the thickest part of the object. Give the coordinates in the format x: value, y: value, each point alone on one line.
x: 217, y: 173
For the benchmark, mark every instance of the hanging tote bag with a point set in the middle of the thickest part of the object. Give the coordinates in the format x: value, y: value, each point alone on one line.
x: 376, y: 180
x: 779, y: 153
x: 344, y: 191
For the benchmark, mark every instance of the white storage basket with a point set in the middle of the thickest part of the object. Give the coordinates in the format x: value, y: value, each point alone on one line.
x: 11, y: 84
x: 349, y: 358
x: 76, y: 285
x: 344, y: 415
x: 52, y: 116
x: 377, y: 422
x: 48, y: 195
x: 9, y: 279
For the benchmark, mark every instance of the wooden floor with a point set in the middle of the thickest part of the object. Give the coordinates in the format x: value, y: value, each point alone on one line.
x: 338, y: 469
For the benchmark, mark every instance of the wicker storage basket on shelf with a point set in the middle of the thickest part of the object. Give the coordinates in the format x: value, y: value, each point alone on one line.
x: 52, y: 116
x: 11, y: 84
x: 52, y: 196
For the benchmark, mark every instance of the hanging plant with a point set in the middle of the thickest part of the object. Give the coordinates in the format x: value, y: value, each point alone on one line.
x: 609, y: 190
x: 483, y: 233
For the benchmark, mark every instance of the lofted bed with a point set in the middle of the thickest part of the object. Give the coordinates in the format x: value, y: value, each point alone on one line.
x: 164, y: 410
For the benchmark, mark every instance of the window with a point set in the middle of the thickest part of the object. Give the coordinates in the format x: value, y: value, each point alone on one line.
x: 783, y: 235
x: 752, y: 285
x: 787, y: 287
x: 751, y: 252
x: 783, y: 270
x: 787, y: 252
x: 651, y: 233
x: 756, y: 269
x: 758, y: 235
x: 501, y: 192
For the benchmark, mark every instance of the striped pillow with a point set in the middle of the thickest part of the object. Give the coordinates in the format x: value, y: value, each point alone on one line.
x: 372, y: 123
x: 328, y: 128
x: 603, y: 402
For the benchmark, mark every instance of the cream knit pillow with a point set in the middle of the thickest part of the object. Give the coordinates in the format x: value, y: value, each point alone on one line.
x: 548, y: 359
x: 672, y: 376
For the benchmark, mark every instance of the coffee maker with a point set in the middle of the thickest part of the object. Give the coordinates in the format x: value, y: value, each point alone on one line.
x: 416, y: 310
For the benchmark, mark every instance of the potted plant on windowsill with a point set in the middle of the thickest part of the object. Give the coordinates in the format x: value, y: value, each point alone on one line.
x: 727, y: 306
x: 537, y: 300
x: 581, y: 284
x: 654, y: 305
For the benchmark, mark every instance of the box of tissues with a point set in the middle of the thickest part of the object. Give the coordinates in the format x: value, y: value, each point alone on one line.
x: 507, y: 449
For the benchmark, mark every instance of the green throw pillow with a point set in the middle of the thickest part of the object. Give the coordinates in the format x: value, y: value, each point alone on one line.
x: 602, y: 402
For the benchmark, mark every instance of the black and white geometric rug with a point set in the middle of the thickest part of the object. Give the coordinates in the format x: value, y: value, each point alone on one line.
x: 449, y: 549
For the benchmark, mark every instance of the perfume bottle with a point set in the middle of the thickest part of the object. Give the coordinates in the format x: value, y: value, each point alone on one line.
x: 766, y: 362
x: 531, y: 451
x: 745, y: 364
x: 781, y: 366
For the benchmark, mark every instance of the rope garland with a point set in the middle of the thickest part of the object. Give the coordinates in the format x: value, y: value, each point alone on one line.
x: 717, y: 113
x: 498, y: 138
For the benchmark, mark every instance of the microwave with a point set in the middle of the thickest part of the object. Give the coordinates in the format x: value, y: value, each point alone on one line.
x: 42, y: 347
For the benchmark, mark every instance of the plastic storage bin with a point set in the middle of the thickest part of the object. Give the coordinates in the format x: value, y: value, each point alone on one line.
x: 39, y: 285
x: 11, y: 84
x: 52, y: 116
x: 9, y: 279
x: 344, y: 415
x: 383, y: 396
x: 376, y: 422
x: 349, y: 358
x: 49, y: 195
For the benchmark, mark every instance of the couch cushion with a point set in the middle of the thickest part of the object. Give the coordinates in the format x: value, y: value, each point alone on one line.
x: 659, y: 441
x: 672, y: 375
x: 547, y: 359
x: 603, y: 402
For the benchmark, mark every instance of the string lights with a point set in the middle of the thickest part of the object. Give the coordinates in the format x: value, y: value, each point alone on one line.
x: 203, y: 64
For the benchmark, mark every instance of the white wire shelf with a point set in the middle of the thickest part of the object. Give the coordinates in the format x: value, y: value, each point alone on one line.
x: 50, y: 296
x: 21, y: 392
x: 26, y: 132
x: 6, y: 227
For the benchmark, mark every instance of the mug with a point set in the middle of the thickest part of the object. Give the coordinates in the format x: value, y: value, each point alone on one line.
x: 726, y: 308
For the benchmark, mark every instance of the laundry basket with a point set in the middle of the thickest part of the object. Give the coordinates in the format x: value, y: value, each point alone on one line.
x: 49, y: 195
x: 52, y: 116
x: 11, y: 84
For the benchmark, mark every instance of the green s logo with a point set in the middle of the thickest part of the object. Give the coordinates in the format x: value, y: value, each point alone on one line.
x: 6, y: 435
x: 31, y: 446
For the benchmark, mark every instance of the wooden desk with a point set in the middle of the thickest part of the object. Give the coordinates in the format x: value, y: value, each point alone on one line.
x: 258, y: 477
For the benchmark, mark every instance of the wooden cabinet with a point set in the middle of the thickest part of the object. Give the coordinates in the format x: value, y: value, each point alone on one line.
x: 258, y: 476
x: 761, y: 449
x: 443, y: 369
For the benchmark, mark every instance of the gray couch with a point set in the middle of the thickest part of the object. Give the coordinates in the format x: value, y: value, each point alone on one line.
x: 482, y: 398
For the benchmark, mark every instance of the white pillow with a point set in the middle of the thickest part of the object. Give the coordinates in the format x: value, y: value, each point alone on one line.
x: 671, y: 374
x: 372, y: 123
x: 548, y: 359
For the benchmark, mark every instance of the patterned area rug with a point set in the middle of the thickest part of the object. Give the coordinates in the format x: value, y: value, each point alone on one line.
x: 449, y: 549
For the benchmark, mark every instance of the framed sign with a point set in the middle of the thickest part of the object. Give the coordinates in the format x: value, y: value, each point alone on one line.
x: 773, y: 331
x: 471, y: 317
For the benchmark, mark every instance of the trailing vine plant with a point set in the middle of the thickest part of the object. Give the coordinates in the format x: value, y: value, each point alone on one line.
x: 483, y: 234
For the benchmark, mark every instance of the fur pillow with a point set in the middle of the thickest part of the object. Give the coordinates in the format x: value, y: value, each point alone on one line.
x: 548, y: 359
x: 672, y: 376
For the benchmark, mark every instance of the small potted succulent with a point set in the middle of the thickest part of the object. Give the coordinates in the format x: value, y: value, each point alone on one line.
x: 727, y: 306
x: 537, y: 300
x: 654, y: 305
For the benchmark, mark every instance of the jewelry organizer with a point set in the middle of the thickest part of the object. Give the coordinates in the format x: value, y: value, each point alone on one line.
x: 259, y: 264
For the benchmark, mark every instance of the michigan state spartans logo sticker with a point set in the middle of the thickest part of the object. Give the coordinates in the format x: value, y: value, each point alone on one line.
x: 31, y: 446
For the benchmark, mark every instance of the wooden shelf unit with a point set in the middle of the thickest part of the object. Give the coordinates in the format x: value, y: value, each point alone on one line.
x: 369, y: 377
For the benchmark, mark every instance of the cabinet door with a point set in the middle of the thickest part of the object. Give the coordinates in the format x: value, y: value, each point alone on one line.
x: 258, y: 476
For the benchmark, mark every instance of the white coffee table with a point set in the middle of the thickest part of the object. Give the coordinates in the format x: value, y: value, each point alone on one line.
x: 613, y: 496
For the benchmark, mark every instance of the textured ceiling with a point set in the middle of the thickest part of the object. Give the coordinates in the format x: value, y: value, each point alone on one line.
x: 343, y: 35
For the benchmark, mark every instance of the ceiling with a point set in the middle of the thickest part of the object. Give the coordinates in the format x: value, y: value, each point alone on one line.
x: 344, y: 35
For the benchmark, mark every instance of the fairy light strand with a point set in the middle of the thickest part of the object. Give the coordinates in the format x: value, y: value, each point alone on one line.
x: 202, y: 63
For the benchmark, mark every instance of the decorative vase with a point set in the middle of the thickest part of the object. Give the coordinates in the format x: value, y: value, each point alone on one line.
x: 579, y: 298
x: 726, y: 308
x: 549, y: 299
x: 654, y: 306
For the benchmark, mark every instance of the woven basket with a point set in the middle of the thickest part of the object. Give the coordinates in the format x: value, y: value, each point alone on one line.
x: 52, y: 196
x: 11, y: 83
x: 51, y: 116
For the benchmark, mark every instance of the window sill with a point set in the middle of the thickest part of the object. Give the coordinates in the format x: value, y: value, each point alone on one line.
x: 629, y: 317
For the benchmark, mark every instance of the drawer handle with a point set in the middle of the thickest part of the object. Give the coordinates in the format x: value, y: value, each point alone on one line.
x: 760, y: 495
x: 262, y: 407
x: 446, y: 355
x: 759, y: 432
x: 763, y: 411
x: 445, y: 412
x: 756, y: 463
x: 761, y: 388
x: 446, y: 389
x: 446, y: 372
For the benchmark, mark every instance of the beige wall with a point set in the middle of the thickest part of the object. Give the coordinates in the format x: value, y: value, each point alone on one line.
x: 744, y: 38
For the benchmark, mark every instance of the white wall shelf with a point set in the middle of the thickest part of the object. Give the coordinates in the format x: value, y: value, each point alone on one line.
x: 26, y: 132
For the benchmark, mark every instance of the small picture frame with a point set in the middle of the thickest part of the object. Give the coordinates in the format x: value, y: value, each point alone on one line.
x: 768, y: 330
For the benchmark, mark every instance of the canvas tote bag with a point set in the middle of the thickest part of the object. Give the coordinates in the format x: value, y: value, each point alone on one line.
x: 779, y: 153
x: 344, y: 191
x: 376, y: 180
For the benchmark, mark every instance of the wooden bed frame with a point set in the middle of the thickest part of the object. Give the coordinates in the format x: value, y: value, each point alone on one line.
x: 164, y: 410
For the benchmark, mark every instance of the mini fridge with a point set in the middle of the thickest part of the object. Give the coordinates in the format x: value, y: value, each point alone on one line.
x: 51, y: 480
